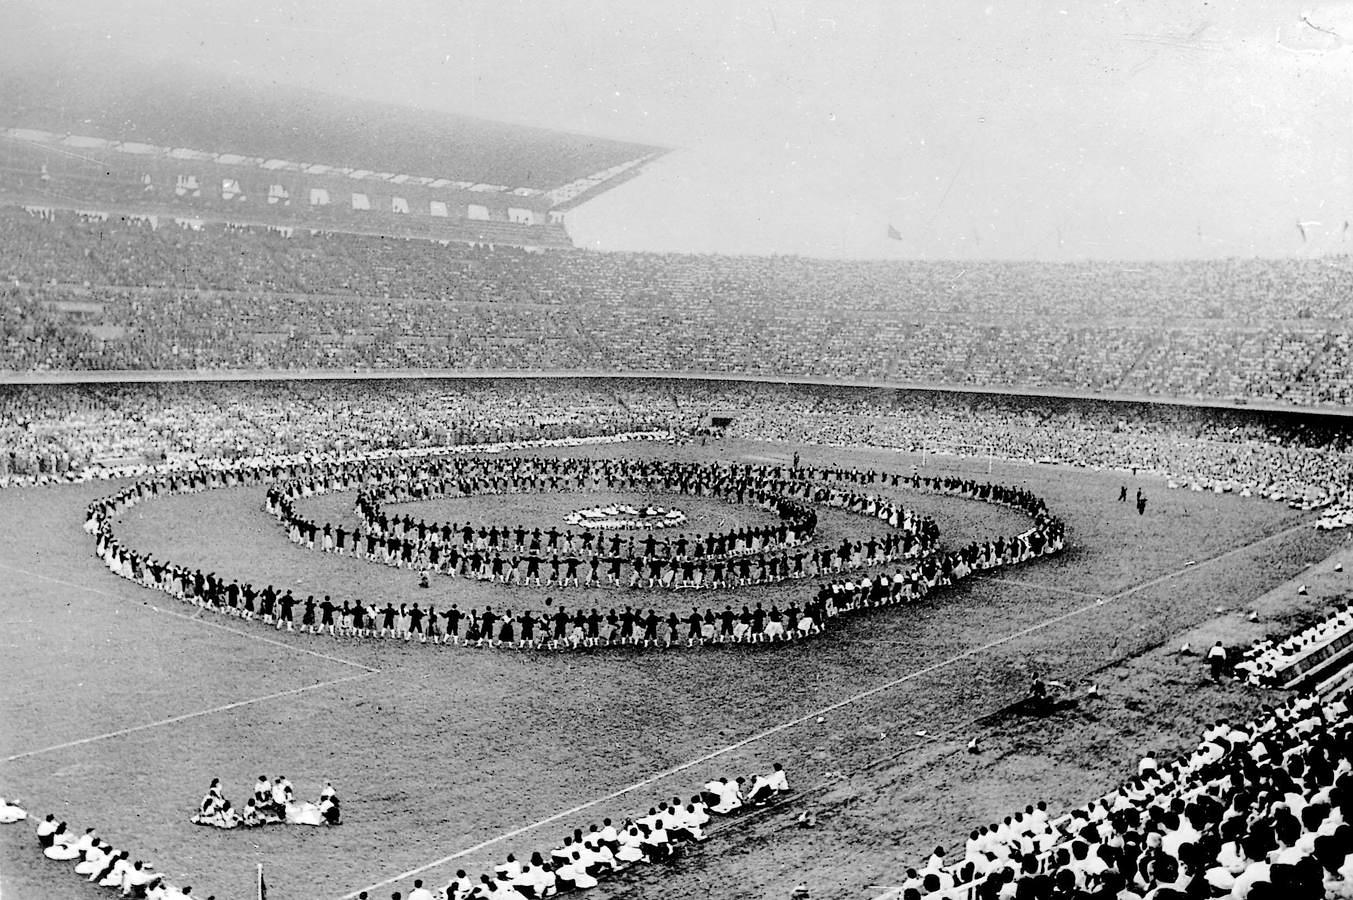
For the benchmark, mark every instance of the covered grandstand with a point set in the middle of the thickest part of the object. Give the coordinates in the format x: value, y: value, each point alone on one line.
x: 239, y: 151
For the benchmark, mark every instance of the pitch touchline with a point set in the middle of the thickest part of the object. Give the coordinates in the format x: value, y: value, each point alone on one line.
x: 1039, y: 587
x: 723, y: 751
x: 194, y: 617
x: 192, y: 715
x: 784, y: 726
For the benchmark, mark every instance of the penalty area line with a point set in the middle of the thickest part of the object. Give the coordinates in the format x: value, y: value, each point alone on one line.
x: 1098, y: 603
x: 195, y: 616
x: 186, y: 716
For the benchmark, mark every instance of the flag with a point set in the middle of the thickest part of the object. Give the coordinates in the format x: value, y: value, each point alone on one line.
x: 262, y: 885
x: 893, y: 233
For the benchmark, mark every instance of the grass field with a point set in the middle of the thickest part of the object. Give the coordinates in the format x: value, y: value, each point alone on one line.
x: 120, y: 705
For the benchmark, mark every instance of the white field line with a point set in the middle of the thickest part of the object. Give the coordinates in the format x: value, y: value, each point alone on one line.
x: 784, y: 726
x: 186, y: 716
x: 195, y: 616
x: 1040, y: 587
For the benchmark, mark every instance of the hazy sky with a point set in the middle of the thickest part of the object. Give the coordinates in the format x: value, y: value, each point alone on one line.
x: 1135, y: 128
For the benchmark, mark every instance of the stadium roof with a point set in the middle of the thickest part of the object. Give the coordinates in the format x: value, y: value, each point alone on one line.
x: 242, y: 117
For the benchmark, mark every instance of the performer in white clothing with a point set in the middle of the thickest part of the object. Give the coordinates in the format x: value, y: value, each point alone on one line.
x: 11, y: 812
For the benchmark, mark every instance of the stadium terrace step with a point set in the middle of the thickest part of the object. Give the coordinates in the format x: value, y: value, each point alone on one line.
x: 1327, y: 672
x: 1317, y: 659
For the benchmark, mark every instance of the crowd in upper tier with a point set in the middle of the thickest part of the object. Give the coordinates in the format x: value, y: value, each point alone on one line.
x: 88, y: 293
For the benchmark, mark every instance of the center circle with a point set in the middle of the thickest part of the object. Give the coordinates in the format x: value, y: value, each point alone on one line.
x: 626, y: 517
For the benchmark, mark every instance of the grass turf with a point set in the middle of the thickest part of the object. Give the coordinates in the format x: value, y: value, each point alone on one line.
x: 443, y: 748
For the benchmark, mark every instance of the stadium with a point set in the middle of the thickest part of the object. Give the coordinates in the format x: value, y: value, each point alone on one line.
x: 515, y: 568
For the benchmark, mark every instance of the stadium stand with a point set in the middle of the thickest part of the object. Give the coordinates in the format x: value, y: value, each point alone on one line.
x: 1335, y: 517
x: 1255, y: 811
x: 89, y: 293
x: 90, y: 431
x: 1301, y: 659
x: 84, y: 431
x: 251, y: 119
x: 192, y: 148
x: 165, y: 238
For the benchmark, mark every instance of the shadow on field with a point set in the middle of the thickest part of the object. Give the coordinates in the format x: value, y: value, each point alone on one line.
x: 1030, y: 708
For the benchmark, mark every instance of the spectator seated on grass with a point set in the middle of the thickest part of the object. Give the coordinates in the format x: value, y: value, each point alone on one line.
x: 215, y: 810
x: 271, y: 803
x: 722, y: 796
x: 765, y: 788
x: 100, y: 863
x: 11, y: 812
x: 584, y: 859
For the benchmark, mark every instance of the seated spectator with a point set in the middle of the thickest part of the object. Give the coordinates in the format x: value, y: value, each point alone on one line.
x: 11, y: 812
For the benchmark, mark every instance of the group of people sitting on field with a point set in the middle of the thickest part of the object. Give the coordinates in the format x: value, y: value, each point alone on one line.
x: 1257, y: 811
x: 582, y: 859
x: 103, y: 864
x: 11, y: 811
x: 272, y: 803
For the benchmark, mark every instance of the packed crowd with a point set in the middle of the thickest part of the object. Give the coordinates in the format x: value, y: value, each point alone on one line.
x: 80, y: 432
x: 756, y: 554
x: 121, y: 295
x: 1292, y: 458
x: 1337, y: 516
x: 99, y: 862
x: 556, y: 628
x: 1257, y: 811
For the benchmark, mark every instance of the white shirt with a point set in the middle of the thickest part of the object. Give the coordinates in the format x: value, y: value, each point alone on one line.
x: 604, y: 856
x: 1258, y: 871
